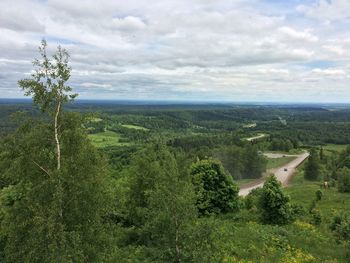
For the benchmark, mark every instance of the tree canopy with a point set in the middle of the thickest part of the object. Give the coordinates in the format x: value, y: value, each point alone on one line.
x: 215, y: 190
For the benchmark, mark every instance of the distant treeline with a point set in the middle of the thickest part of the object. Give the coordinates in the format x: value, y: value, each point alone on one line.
x: 300, y: 125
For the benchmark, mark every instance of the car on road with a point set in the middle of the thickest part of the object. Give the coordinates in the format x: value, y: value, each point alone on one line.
x: 285, y: 169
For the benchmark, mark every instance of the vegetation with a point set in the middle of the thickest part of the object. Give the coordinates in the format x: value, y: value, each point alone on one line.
x: 107, y: 139
x: 343, y: 176
x: 48, y: 168
x: 215, y: 190
x: 274, y: 204
x: 312, y: 167
x: 140, y: 183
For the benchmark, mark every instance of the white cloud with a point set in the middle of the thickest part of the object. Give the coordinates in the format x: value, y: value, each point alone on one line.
x: 335, y: 49
x: 329, y: 72
x: 129, y: 23
x: 293, y: 34
x: 95, y: 85
x: 182, y: 49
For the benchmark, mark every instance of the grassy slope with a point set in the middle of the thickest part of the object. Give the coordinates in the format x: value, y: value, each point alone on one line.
x: 241, y: 237
x: 302, y: 192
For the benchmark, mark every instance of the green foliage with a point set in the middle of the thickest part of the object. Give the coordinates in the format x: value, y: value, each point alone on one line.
x: 274, y: 204
x: 281, y: 145
x: 254, y: 163
x: 316, y: 218
x: 215, y: 190
x: 341, y: 226
x: 160, y: 210
x: 322, y: 156
x: 343, y: 176
x: 47, y: 84
x: 312, y: 166
x: 53, y: 216
x: 251, y: 201
x: 319, y: 195
x: 231, y: 158
x: 107, y: 139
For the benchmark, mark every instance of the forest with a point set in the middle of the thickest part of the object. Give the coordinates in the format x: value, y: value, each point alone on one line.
x: 89, y: 181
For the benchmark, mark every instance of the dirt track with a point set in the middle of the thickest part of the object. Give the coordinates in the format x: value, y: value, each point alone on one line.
x: 280, y: 173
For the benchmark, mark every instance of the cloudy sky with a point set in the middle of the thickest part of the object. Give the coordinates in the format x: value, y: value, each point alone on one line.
x: 223, y: 50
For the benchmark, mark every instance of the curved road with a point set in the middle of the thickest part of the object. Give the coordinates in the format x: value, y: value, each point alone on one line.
x: 280, y: 173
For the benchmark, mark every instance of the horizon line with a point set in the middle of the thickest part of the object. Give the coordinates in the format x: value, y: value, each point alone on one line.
x: 194, y: 101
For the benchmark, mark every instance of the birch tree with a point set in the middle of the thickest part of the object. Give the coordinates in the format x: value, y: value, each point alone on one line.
x: 48, y: 87
x: 56, y: 190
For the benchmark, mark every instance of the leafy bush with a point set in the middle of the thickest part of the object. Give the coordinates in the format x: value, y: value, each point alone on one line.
x: 274, y: 204
x: 252, y: 199
x: 319, y: 195
x: 215, y: 190
x: 316, y: 218
x: 341, y: 226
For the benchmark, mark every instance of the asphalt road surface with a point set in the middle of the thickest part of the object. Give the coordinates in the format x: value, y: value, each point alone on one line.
x: 283, y: 173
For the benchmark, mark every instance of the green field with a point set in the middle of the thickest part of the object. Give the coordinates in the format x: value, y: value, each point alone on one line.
x: 331, y: 149
x: 106, y: 139
x: 335, y: 147
x: 130, y: 126
x: 278, y: 162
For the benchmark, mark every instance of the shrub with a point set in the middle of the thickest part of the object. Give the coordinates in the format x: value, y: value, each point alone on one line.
x: 274, y: 204
x: 312, y: 206
x: 316, y: 218
x: 341, y: 226
x: 215, y: 190
x: 252, y: 199
x: 319, y: 195
x: 298, y: 211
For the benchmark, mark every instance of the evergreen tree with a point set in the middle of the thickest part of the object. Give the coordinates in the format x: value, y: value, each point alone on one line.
x: 274, y: 204
x: 312, y: 166
x: 215, y: 190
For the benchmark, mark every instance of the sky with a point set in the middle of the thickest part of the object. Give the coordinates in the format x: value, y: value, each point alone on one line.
x: 197, y: 50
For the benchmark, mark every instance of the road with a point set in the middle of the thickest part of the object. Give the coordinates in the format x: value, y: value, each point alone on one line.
x: 280, y: 173
x: 256, y: 137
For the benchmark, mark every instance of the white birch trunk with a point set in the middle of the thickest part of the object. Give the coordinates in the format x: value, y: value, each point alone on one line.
x: 58, y: 146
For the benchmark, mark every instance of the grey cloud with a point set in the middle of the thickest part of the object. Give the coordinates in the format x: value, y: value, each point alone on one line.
x: 177, y: 48
x: 19, y: 17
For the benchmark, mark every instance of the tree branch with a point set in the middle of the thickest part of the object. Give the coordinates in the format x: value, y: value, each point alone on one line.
x: 41, y: 168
